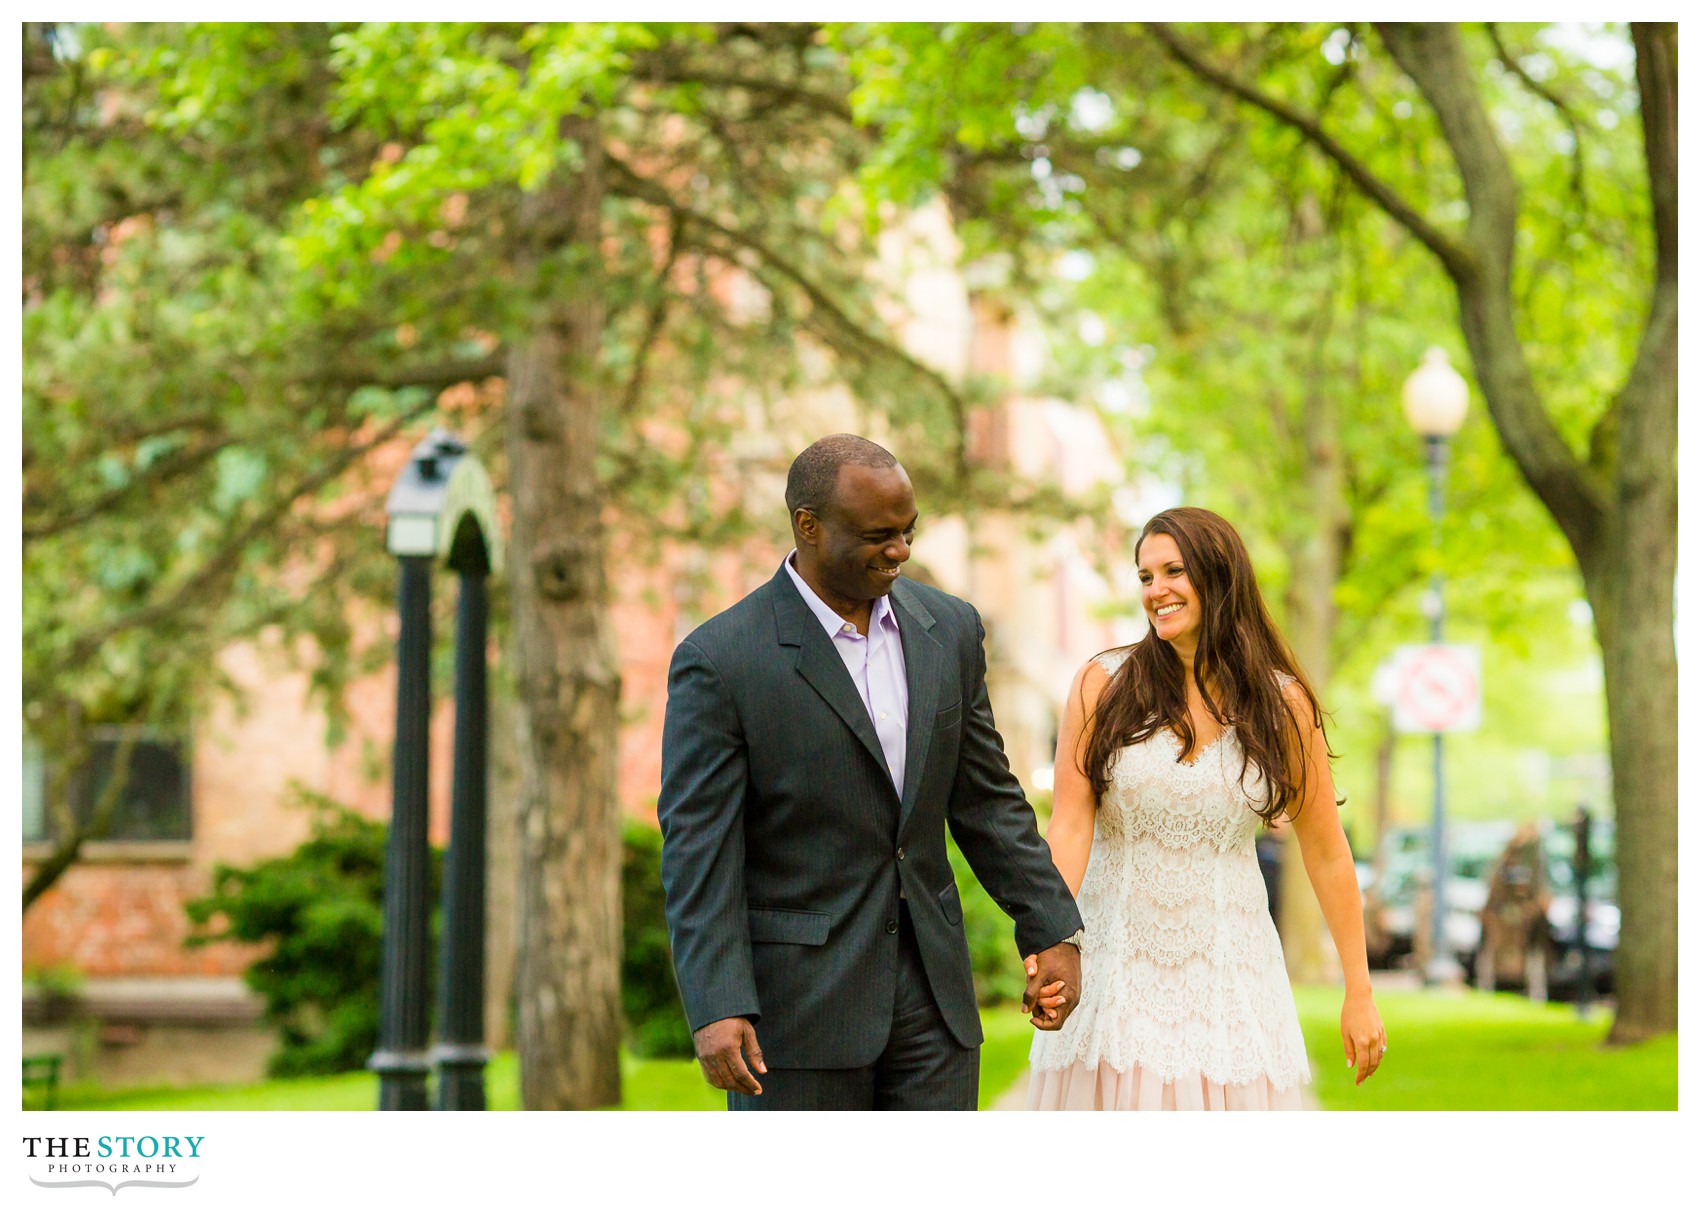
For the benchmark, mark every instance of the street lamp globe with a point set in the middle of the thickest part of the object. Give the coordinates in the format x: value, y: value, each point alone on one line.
x: 1436, y: 396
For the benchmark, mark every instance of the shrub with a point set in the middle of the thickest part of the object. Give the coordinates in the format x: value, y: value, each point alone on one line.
x: 998, y: 974
x: 320, y: 913
x: 58, y: 989
x: 320, y: 910
x: 649, y: 993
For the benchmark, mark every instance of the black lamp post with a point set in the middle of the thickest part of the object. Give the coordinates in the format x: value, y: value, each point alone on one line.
x: 402, y: 1025
x: 460, y: 989
x: 441, y: 509
x: 1436, y: 398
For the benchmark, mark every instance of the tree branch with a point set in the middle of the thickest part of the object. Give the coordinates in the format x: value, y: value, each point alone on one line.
x: 1514, y: 65
x: 74, y: 834
x: 1453, y: 255
x: 1655, y: 76
x: 430, y: 374
x: 1648, y: 427
x: 230, y: 553
x: 627, y: 182
x: 656, y: 318
x: 182, y: 463
x: 667, y: 71
x: 1433, y: 57
x: 438, y: 375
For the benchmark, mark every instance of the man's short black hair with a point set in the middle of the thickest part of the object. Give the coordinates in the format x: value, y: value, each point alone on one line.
x: 812, y: 482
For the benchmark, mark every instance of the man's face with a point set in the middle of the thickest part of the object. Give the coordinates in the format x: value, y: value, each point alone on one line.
x: 864, y: 537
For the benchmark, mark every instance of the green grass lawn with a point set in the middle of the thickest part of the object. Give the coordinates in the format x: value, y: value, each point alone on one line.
x: 1003, y: 1057
x: 1462, y: 1051
x: 1469, y: 1051
x: 648, y: 1085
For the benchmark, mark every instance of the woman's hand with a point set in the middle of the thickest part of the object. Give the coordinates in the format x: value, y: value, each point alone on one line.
x: 1362, y: 1033
x: 1050, y: 996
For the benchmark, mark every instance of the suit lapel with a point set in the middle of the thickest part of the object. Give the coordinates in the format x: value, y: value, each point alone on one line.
x: 923, y: 658
x: 821, y: 666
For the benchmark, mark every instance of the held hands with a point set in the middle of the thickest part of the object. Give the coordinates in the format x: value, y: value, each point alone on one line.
x: 1362, y: 1033
x: 721, y: 1048
x: 1053, y: 986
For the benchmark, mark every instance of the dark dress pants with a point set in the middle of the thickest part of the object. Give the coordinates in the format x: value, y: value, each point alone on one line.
x: 922, y: 1068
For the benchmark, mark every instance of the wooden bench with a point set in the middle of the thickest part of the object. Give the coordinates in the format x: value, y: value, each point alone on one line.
x: 41, y: 1078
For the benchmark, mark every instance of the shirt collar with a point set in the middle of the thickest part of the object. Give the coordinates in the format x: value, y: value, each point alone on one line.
x: 882, y: 614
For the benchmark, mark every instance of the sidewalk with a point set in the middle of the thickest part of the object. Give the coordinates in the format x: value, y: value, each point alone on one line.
x: 1014, y: 1098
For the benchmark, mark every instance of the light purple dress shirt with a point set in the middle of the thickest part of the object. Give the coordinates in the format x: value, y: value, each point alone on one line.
x: 875, y: 662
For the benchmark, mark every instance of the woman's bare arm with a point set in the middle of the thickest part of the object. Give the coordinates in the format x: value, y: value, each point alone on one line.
x: 1073, y: 806
x: 1334, y: 879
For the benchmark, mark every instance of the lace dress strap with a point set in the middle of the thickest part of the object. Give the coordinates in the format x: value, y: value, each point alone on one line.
x: 1112, y: 660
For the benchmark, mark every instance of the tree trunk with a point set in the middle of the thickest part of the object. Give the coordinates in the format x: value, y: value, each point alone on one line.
x: 1635, y: 572
x: 568, y: 981
x: 1618, y: 510
x: 501, y: 868
x: 1311, y: 617
x: 1640, y: 675
x: 1630, y: 588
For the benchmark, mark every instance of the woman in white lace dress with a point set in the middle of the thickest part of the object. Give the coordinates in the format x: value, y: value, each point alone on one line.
x: 1173, y: 752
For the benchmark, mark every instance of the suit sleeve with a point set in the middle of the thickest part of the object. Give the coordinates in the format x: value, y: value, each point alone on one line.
x: 995, y: 828
x: 704, y: 773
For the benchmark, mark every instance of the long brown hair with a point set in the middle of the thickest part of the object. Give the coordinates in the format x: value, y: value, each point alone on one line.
x: 1240, y: 653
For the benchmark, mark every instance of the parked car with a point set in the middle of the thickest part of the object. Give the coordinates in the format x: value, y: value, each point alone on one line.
x: 1473, y: 849
x: 1565, y: 965
x: 1391, y: 899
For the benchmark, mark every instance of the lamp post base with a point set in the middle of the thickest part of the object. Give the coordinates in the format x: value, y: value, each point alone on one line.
x: 460, y: 1076
x: 401, y: 1080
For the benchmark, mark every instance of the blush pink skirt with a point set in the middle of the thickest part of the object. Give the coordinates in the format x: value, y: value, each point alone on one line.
x: 1078, y: 1088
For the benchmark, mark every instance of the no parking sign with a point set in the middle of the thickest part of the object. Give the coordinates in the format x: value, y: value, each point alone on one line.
x: 1438, y: 688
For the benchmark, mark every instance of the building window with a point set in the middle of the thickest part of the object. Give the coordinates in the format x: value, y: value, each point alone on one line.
x: 35, y: 814
x: 152, y: 804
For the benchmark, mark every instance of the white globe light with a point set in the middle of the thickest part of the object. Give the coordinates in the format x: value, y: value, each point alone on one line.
x: 1436, y: 396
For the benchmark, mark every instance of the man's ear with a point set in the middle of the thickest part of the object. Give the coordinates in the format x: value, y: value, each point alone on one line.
x: 807, y: 527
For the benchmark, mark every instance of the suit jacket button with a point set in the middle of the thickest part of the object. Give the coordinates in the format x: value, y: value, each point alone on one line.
x: 900, y: 854
x: 891, y: 927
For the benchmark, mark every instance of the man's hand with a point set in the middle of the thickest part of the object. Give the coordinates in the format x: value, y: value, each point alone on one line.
x: 1053, y: 986
x: 721, y: 1048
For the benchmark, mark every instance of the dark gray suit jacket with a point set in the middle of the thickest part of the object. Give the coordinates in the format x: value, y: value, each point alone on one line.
x: 785, y: 843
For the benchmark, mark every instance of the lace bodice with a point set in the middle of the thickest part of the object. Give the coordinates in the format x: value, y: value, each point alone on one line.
x: 1181, y: 968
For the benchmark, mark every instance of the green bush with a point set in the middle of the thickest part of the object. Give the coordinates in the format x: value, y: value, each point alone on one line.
x: 998, y: 975
x: 58, y: 989
x: 649, y: 994
x: 320, y: 912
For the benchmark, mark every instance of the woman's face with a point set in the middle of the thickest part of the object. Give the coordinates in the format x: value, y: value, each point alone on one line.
x: 1171, y: 603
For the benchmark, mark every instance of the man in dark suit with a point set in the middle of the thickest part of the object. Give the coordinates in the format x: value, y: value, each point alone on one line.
x: 820, y: 734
